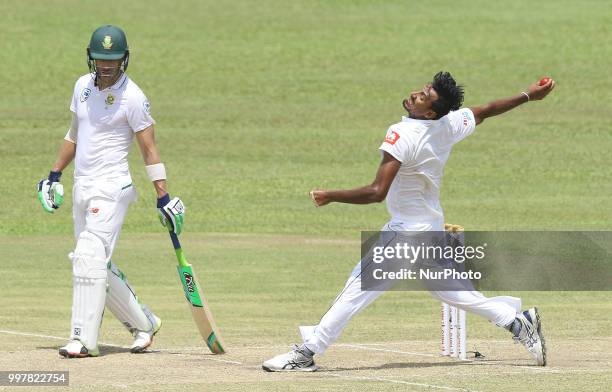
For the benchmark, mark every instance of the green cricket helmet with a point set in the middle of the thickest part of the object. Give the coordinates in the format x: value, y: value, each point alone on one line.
x: 107, y: 43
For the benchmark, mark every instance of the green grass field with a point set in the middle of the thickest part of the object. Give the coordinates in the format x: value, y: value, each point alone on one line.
x: 258, y: 102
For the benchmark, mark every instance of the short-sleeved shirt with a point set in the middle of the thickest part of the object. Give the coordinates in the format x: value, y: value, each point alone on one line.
x: 423, y: 147
x: 107, y: 121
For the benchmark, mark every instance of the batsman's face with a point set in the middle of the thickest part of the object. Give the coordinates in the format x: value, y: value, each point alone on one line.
x: 108, y: 68
x: 418, y: 103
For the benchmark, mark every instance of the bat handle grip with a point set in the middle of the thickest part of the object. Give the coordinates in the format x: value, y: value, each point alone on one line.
x: 175, y: 241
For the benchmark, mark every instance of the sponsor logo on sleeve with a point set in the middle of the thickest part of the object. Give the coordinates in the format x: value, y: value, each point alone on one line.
x: 466, y: 119
x: 85, y: 94
x: 392, y: 137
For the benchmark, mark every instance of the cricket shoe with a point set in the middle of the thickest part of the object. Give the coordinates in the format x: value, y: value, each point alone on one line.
x: 297, y: 360
x: 530, y: 334
x: 143, y: 339
x: 76, y: 349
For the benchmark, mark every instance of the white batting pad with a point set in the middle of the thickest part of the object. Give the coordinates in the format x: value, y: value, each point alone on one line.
x: 88, y: 289
x: 123, y: 303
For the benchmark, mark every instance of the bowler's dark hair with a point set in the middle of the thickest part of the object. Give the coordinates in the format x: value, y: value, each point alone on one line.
x: 450, y: 95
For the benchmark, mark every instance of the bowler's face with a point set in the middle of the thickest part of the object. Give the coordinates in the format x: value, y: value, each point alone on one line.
x: 418, y: 104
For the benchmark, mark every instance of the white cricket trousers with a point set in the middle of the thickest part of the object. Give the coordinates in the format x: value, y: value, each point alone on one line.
x: 352, y: 299
x: 100, y: 206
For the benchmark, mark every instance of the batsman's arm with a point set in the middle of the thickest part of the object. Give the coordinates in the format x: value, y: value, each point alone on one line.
x: 50, y: 191
x: 373, y: 193
x: 68, y: 147
x: 533, y: 93
x: 65, y: 156
x: 148, y: 148
x: 171, y: 211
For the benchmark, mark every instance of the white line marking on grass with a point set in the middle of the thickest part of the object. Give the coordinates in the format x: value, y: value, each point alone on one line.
x: 394, y: 381
x: 539, y: 369
x: 31, y: 334
x: 36, y: 335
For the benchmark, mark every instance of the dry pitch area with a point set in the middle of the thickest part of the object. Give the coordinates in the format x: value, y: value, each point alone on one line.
x: 577, y: 364
x: 392, y: 345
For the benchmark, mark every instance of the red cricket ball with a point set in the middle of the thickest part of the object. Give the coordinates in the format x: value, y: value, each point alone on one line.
x: 543, y: 81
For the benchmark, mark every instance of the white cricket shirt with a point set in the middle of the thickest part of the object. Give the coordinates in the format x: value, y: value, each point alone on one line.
x: 423, y: 147
x: 107, y: 121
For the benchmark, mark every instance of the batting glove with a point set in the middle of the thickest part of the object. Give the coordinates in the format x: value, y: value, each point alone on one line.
x: 51, y: 192
x: 171, y: 213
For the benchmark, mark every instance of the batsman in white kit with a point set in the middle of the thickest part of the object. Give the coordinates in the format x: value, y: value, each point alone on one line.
x: 409, y: 177
x: 108, y: 110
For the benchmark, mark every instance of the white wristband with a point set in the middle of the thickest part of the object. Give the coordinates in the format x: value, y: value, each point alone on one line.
x: 156, y: 172
x: 525, y: 94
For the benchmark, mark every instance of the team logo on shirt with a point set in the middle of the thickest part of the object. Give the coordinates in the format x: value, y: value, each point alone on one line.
x: 147, y: 107
x: 110, y: 99
x: 108, y: 42
x: 94, y: 210
x: 85, y: 94
x: 392, y: 137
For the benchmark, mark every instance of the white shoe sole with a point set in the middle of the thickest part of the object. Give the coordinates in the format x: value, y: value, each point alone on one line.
x: 312, y: 368
x: 68, y: 354
x: 140, y: 349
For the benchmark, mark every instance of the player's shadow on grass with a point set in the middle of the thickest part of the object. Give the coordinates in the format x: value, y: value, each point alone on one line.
x: 419, y: 365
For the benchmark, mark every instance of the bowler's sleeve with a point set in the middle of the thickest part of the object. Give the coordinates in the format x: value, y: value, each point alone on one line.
x: 462, y: 124
x: 139, y: 112
x: 397, y: 144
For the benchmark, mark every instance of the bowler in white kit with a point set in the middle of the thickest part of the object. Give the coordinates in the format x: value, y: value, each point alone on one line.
x: 409, y: 177
x: 108, y: 111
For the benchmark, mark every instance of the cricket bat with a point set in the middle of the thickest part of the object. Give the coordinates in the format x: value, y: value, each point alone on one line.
x: 197, y: 302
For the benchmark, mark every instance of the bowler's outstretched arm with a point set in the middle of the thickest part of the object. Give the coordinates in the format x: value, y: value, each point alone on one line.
x: 533, y: 93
